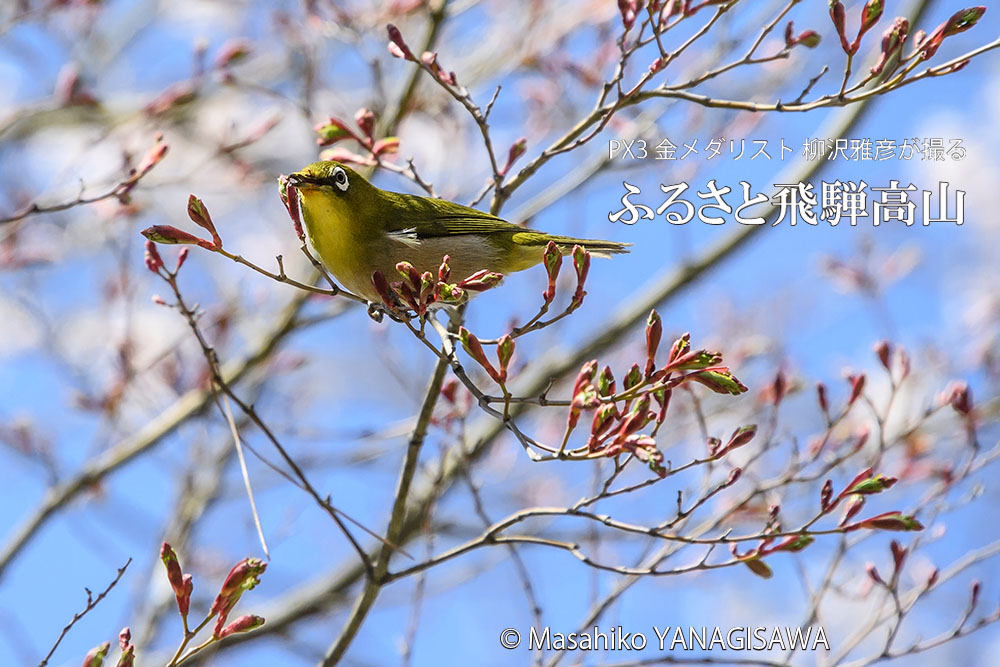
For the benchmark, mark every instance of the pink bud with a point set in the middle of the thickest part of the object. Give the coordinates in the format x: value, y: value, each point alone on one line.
x: 397, y: 46
x: 232, y: 51
x: 201, y: 217
x: 386, y: 146
x: 95, y: 656
x: 171, y: 235
x: 153, y: 260
x: 873, y: 573
x: 654, y: 330
x: 884, y: 351
x: 365, y: 120
x: 517, y: 149
x: 241, y: 624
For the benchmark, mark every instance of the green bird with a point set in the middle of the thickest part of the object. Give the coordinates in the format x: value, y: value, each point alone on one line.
x: 356, y: 229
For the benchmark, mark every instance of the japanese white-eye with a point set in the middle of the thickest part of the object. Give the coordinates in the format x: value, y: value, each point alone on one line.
x: 356, y: 229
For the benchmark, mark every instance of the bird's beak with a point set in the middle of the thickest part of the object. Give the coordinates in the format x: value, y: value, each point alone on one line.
x: 301, y: 181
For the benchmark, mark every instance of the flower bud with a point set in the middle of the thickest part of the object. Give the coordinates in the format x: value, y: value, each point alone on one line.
x: 838, y: 15
x: 606, y: 382
x: 386, y: 146
x: 475, y: 350
x: 505, y: 350
x: 332, y: 131
x: 851, y: 509
x: 153, y: 260
x: 857, y: 386
x: 552, y: 259
x: 517, y: 149
x: 898, y: 555
x: 232, y: 51
x: 581, y: 263
x: 365, y: 121
x: 241, y: 624
x: 201, y: 217
x: 721, y: 381
x: 397, y: 46
x: 95, y: 656
x: 873, y: 573
x: 480, y: 281
x: 888, y: 521
x: 654, y: 330
x: 171, y: 235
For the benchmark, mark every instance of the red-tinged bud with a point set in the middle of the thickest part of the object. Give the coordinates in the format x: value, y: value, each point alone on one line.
x: 475, y: 350
x: 449, y: 390
x: 636, y: 419
x: 793, y: 543
x: 124, y: 638
x: 809, y: 39
x: 386, y: 146
x: 174, y: 575
x: 244, y: 576
x: 450, y: 293
x: 903, y: 362
x: 790, y: 35
x: 860, y: 477
x: 69, y: 88
x: 181, y: 258
x: 294, y: 212
x: 873, y: 573
x: 95, y: 656
x: 919, y: 37
x: 552, y: 259
x: 410, y: 274
x: 231, y: 52
x: 127, y: 658
x: 930, y: 45
x: 714, y: 445
x: 888, y: 521
x: 893, y: 40
x: 171, y: 235
x: 633, y: 377
x: 734, y: 476
x: 153, y: 260
x: 758, y: 567
x: 884, y: 352
x: 586, y: 376
x: 365, y: 121
x: 184, y: 599
x: 606, y: 382
x: 654, y: 330
x: 857, y: 386
x: 870, y: 15
x: 657, y: 65
x: 629, y: 9
x: 721, y: 381
x: 505, y: 350
x: 826, y: 495
x: 741, y: 437
x: 851, y: 509
x: 974, y: 598
x: 481, y: 281
x: 332, y: 131
x: 200, y: 216
x: 963, y: 20
x: 821, y: 396
x: 241, y: 624
x: 933, y: 578
x: 959, y: 396
x: 604, y: 417
x: 430, y: 59
x: 680, y: 347
x: 158, y: 300
x: 381, y: 286
x: 839, y: 17
x: 397, y: 46
x: 873, y: 485
x: 444, y: 271
x: 581, y: 263
x: 427, y: 288
x: 152, y: 158
x: 517, y: 149
x: 175, y: 95
x: 778, y: 389
x: 338, y: 154
x: 694, y: 361
x: 898, y: 555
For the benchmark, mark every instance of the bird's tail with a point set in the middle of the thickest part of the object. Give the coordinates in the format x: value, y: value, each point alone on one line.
x: 596, y: 247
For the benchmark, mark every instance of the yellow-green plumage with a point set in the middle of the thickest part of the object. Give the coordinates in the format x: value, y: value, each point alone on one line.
x: 356, y: 228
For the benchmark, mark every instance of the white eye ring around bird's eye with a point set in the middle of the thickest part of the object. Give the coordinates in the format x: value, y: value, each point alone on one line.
x: 340, y: 179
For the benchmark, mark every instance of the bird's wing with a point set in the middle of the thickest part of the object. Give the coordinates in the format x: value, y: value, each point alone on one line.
x: 429, y: 218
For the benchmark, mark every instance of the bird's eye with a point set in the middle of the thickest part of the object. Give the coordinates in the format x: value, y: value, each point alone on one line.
x: 340, y: 179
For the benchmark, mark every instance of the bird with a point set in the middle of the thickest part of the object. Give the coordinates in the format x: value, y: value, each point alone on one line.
x: 358, y: 228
